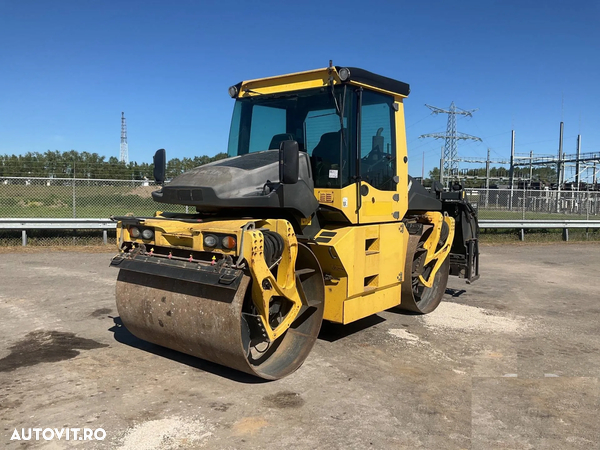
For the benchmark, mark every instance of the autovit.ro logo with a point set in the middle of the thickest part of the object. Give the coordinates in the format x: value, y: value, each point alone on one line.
x: 67, y: 434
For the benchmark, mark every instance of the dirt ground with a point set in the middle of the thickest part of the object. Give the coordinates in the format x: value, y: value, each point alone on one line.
x: 511, y: 361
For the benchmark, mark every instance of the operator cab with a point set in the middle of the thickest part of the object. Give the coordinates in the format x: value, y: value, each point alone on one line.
x: 352, y: 167
x: 325, y: 122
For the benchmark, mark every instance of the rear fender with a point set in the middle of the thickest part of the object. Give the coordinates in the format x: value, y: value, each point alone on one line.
x: 436, y: 251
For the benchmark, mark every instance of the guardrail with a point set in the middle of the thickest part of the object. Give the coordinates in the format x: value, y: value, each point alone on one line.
x: 107, y: 224
x: 57, y: 224
x: 522, y: 225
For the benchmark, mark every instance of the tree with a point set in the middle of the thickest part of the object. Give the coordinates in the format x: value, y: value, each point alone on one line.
x: 56, y: 164
x: 434, y: 174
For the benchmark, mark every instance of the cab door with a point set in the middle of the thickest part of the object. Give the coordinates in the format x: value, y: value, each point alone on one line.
x: 378, y: 196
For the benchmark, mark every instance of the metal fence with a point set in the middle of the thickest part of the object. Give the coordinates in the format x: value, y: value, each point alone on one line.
x: 76, y: 197
x: 29, y: 197
x: 535, y: 204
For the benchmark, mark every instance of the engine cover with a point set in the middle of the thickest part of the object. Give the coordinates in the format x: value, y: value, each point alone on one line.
x: 243, y: 182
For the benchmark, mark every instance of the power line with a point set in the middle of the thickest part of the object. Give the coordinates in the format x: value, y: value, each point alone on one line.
x: 451, y: 138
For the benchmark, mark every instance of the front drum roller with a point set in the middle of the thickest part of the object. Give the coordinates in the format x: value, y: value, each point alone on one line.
x: 210, y: 321
x: 417, y: 297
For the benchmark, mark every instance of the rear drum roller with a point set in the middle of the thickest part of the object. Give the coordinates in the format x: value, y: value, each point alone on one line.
x: 216, y: 322
x: 417, y: 297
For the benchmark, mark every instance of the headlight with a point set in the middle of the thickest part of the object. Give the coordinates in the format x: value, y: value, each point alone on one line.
x: 147, y: 234
x: 233, y: 91
x: 210, y: 240
x: 344, y: 74
x: 134, y: 232
x: 228, y: 242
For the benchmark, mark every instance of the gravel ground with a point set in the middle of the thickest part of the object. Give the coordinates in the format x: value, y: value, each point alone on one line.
x: 511, y: 361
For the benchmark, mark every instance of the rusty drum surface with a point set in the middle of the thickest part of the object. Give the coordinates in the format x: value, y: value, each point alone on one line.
x: 207, y: 320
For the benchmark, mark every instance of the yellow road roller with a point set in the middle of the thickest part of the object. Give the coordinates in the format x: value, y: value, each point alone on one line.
x: 312, y: 217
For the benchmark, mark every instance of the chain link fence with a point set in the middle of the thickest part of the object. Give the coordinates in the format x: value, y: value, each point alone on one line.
x: 30, y: 197
x: 77, y: 198
x: 535, y: 204
x: 26, y: 197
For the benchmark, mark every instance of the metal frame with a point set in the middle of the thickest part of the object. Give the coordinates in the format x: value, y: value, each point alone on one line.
x: 25, y: 224
x: 522, y: 225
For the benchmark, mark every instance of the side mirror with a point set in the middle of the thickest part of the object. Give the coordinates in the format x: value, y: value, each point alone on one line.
x: 289, y: 164
x: 160, y: 165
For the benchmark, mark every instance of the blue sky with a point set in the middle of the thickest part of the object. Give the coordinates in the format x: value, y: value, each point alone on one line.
x: 68, y: 69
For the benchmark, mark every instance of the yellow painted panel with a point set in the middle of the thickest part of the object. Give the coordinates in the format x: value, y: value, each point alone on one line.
x: 290, y: 82
x: 168, y: 240
x: 377, y: 206
x: 372, y: 303
x: 343, y: 200
x: 336, y: 290
x: 335, y: 294
x: 371, y: 264
x: 401, y: 166
x: 347, y: 258
x: 394, y: 241
x: 185, y: 235
x: 371, y: 232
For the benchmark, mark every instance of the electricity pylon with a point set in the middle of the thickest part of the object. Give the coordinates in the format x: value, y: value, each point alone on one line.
x: 124, y: 147
x: 451, y: 137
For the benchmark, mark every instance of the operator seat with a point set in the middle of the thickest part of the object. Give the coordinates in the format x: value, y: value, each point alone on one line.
x: 324, y: 155
x: 328, y: 148
x: 279, y: 138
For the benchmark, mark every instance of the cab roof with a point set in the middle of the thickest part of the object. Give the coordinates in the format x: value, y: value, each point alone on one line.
x: 379, y: 81
x: 320, y: 78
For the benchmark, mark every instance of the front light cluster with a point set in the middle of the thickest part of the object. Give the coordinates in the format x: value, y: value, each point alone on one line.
x: 214, y: 241
x: 228, y: 242
x: 145, y: 233
x: 210, y: 240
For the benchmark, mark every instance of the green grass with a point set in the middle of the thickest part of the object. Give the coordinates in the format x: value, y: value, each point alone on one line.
x: 90, y: 201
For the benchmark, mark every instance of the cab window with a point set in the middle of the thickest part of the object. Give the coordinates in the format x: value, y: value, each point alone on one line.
x: 377, y: 142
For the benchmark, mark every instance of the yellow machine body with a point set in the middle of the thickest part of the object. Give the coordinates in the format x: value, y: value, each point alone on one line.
x: 367, y: 266
x: 268, y: 282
